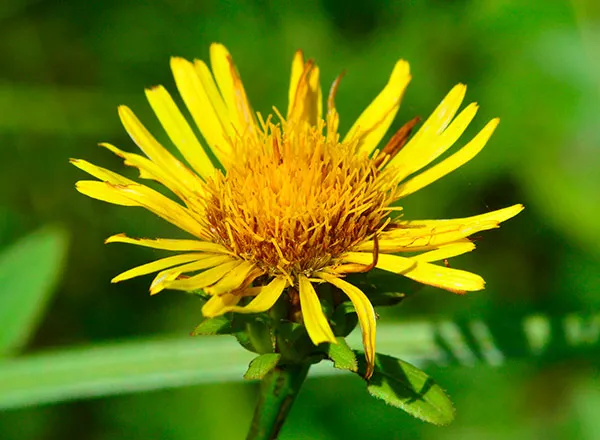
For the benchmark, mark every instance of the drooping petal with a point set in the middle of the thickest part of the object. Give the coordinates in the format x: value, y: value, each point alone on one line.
x: 366, y: 316
x: 155, y: 266
x: 266, y: 297
x: 168, y: 244
x: 233, y: 280
x: 231, y: 88
x: 179, y: 131
x: 220, y: 304
x: 314, y: 319
x: 451, y: 163
x: 374, y: 122
x: 208, y: 111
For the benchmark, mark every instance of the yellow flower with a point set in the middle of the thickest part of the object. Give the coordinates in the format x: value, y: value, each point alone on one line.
x: 297, y: 205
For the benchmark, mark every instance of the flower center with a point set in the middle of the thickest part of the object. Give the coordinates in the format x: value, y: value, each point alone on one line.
x: 293, y: 200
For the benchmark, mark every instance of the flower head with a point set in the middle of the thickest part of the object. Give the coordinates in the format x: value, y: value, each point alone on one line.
x: 297, y: 205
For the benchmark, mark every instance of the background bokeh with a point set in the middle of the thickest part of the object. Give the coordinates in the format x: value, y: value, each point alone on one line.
x: 535, y: 64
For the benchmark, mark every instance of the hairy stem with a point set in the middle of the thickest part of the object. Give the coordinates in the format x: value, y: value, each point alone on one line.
x: 278, y: 390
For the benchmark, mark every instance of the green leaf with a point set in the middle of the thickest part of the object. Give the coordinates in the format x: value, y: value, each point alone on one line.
x: 342, y: 355
x: 261, y: 365
x: 404, y: 386
x: 29, y: 271
x: 125, y: 367
x: 213, y: 326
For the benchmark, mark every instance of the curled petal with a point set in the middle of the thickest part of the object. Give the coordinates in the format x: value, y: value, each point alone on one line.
x: 366, y: 316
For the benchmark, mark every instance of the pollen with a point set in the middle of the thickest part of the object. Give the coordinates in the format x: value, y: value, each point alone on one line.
x: 294, y: 200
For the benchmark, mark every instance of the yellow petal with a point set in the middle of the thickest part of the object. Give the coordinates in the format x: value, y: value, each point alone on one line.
x: 233, y: 280
x: 433, y: 127
x: 170, y: 244
x: 204, y: 108
x: 420, y: 151
x: 418, y: 235
x: 297, y: 69
x: 391, y: 263
x: 231, y: 88
x: 155, y: 266
x: 153, y: 201
x: 497, y: 216
x: 307, y: 104
x: 204, y: 279
x: 220, y: 304
x: 314, y: 319
x: 374, y: 122
x: 366, y: 316
x: 453, y: 162
x: 426, y: 238
x: 163, y: 278
x: 150, y: 170
x: 181, y: 176
x: 103, y: 191
x: 213, y: 95
x: 179, y: 130
x: 454, y: 280
x: 266, y: 297
x: 447, y: 251
x: 101, y: 173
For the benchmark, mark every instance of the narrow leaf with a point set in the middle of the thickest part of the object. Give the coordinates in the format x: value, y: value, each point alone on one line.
x: 342, y: 355
x: 29, y: 271
x: 213, y: 326
x: 125, y: 367
x: 261, y: 365
x: 404, y: 386
x: 119, y: 368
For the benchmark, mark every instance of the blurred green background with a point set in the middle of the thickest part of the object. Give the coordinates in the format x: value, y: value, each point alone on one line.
x: 535, y: 64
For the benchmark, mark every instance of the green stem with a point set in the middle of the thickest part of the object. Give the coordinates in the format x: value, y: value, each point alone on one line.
x: 278, y: 390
